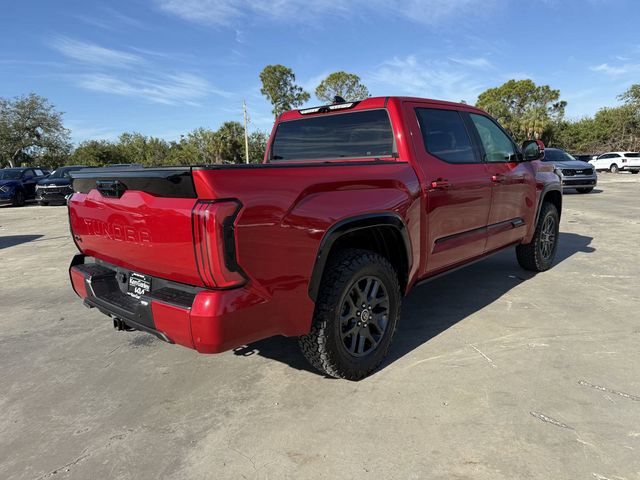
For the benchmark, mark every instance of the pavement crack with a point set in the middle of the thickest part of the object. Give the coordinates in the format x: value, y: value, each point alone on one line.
x: 67, y: 466
x: 552, y: 421
x: 246, y: 457
x: 483, y: 355
x: 609, y: 390
x: 84, y: 455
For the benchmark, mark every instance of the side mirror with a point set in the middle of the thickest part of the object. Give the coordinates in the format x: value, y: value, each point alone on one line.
x: 533, y: 150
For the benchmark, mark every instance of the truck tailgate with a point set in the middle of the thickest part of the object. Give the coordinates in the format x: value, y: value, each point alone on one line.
x: 139, y: 220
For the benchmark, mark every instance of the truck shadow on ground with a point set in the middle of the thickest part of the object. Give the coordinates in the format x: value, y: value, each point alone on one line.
x: 595, y: 191
x: 13, y: 240
x: 437, y: 305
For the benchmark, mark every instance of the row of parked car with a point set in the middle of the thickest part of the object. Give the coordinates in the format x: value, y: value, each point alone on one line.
x: 17, y: 185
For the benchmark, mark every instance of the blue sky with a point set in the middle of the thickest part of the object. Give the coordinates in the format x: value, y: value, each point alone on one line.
x: 164, y: 67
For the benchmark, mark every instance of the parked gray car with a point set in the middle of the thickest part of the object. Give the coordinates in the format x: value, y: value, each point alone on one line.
x: 573, y: 173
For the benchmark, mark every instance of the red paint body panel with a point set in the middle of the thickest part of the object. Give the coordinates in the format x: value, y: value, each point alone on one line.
x: 77, y: 282
x: 138, y: 231
x: 286, y: 211
x: 173, y: 321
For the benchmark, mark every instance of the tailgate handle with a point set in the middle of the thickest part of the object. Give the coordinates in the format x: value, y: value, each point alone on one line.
x: 111, y: 188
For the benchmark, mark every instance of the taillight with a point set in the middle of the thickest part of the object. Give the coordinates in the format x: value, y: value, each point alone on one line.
x: 215, y: 244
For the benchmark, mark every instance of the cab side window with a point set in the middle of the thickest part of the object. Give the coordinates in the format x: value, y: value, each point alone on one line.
x: 445, y: 135
x: 28, y: 174
x: 498, y: 147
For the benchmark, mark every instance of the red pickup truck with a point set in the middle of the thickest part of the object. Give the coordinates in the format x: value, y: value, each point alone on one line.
x: 355, y: 203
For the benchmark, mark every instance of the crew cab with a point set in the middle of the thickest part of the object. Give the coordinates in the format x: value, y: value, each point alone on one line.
x: 18, y: 184
x: 355, y: 204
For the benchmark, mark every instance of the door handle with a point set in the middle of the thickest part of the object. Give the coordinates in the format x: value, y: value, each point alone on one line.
x: 440, y: 184
x: 498, y: 178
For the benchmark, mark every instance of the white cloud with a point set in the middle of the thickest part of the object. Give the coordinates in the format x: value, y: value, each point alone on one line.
x: 478, y: 62
x: 226, y: 12
x: 616, y: 71
x: 166, y: 89
x: 91, y: 53
x: 432, y: 79
x: 111, y: 71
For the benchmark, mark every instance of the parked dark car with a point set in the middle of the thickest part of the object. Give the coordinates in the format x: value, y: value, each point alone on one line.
x: 17, y: 185
x: 55, y: 187
x: 573, y: 173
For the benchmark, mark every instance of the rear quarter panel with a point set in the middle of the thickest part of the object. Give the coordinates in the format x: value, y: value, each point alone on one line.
x: 286, y: 211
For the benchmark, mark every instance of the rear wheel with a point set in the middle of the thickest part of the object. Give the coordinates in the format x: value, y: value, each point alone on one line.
x: 355, y: 317
x: 614, y: 168
x: 584, y: 190
x: 635, y: 171
x: 43, y: 203
x: 18, y: 199
x: 538, y: 255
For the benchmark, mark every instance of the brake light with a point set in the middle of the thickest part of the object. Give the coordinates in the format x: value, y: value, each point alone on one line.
x: 214, y: 243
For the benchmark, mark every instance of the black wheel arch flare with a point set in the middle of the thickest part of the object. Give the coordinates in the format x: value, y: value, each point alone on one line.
x: 350, y: 225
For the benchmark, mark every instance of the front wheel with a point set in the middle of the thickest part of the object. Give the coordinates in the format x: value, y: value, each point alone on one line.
x: 584, y: 190
x: 355, y: 317
x: 614, y: 168
x: 18, y: 199
x: 538, y: 255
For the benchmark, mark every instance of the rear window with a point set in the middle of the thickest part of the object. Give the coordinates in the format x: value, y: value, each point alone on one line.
x: 445, y: 135
x: 366, y: 133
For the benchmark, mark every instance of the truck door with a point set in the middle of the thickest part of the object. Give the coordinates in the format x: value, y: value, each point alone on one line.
x: 513, y: 185
x: 458, y: 189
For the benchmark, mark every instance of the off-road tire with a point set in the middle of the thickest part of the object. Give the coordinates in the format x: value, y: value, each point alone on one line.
x: 18, y: 199
x: 324, y: 346
x: 530, y: 255
x: 584, y: 190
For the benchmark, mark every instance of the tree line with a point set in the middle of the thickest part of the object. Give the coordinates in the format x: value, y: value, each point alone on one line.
x: 32, y: 130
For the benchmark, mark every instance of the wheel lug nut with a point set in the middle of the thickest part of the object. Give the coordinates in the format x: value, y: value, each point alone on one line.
x: 358, y: 314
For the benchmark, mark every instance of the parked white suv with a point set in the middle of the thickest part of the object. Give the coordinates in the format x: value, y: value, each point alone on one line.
x: 616, y: 161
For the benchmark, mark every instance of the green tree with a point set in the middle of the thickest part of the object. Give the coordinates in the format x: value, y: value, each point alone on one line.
x: 523, y: 108
x: 31, y: 130
x: 202, y: 144
x: 257, y: 146
x: 97, y: 153
x: 230, y: 143
x: 343, y: 84
x: 278, y: 85
x: 631, y: 96
x: 138, y: 148
x: 182, y: 153
x: 611, y: 128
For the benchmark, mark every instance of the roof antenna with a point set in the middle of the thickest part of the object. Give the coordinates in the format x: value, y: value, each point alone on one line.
x: 338, y: 99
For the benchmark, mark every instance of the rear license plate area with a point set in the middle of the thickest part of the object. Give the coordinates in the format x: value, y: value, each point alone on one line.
x: 139, y: 284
